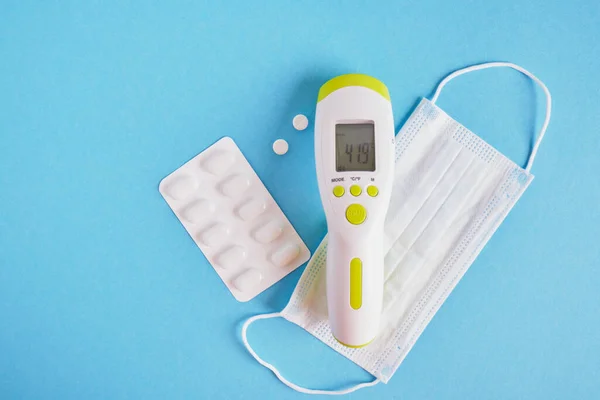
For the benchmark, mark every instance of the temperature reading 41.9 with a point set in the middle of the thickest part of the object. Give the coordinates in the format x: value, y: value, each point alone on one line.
x: 360, y: 151
x: 355, y: 147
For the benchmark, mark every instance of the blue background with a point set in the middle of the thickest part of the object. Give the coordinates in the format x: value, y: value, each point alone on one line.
x: 104, y: 296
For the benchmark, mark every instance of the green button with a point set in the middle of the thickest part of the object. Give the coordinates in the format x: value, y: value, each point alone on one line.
x: 372, y: 191
x: 356, y: 214
x: 338, y: 191
x: 355, y: 190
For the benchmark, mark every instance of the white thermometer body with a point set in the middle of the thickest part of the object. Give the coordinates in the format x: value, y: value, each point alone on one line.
x: 354, y: 153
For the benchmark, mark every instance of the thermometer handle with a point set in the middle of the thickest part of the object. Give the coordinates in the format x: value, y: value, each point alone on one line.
x: 355, y: 272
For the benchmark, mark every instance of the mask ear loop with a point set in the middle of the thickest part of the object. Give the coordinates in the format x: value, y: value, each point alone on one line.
x: 278, y: 374
x: 523, y: 71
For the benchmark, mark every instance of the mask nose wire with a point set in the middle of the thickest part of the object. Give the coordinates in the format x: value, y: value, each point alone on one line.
x: 477, y: 67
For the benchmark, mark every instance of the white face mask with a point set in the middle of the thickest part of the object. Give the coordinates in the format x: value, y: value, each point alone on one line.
x: 451, y: 192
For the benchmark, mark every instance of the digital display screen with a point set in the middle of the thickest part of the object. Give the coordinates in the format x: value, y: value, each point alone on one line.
x: 354, y: 147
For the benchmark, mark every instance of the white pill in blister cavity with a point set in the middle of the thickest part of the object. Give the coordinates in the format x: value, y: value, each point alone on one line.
x: 285, y: 254
x: 218, y: 163
x: 269, y: 232
x: 248, y: 279
x: 300, y: 122
x: 198, y: 211
x: 280, y: 147
x: 180, y: 187
x: 214, y: 235
x: 251, y: 209
x: 234, y: 185
x: 231, y: 257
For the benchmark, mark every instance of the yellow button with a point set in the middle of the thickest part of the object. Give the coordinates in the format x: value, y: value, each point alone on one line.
x: 356, y: 214
x: 338, y: 191
x: 355, y: 190
x: 355, y: 283
x: 372, y: 191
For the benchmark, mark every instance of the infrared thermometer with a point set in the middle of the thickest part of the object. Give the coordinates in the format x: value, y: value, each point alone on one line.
x: 354, y: 153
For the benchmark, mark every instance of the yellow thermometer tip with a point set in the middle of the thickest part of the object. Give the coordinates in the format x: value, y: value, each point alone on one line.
x: 353, y: 80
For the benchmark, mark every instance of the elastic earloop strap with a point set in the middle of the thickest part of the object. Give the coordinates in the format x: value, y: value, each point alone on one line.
x: 278, y: 374
x: 523, y: 71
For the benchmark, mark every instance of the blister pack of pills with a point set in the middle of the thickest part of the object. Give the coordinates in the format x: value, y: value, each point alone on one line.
x: 233, y: 219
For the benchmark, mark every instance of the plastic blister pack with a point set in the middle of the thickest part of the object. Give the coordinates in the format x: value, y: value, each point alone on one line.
x: 233, y: 219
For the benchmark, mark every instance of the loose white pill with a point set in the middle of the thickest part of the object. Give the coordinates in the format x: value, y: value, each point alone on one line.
x: 300, y: 122
x: 280, y: 147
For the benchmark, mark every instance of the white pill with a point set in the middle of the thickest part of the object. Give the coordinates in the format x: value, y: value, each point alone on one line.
x: 214, y: 235
x: 248, y: 279
x: 285, y: 255
x: 218, y: 163
x: 280, y: 147
x: 300, y: 122
x: 231, y: 257
x: 198, y: 211
x: 269, y: 232
x: 179, y: 187
x: 251, y: 209
x: 234, y: 185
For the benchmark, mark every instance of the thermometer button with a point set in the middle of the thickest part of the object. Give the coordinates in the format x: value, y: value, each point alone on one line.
x: 355, y: 190
x: 338, y: 191
x: 356, y: 283
x: 372, y: 191
x: 356, y: 214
